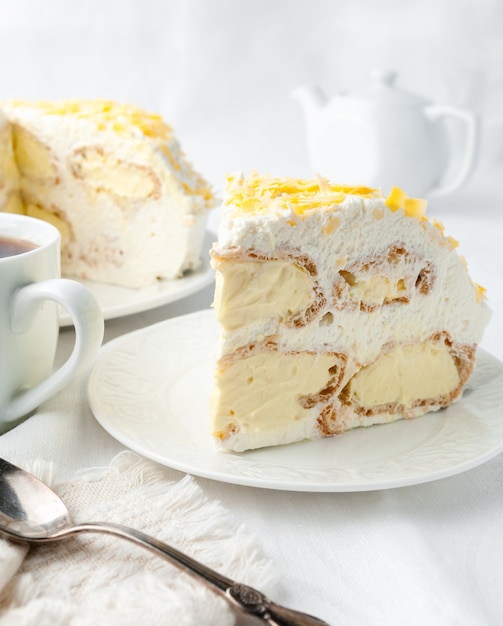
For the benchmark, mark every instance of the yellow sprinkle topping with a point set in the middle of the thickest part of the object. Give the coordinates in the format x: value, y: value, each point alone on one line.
x: 258, y: 194
x: 412, y: 207
x: 439, y: 226
x: 106, y: 114
x: 127, y: 120
x: 331, y: 225
x: 453, y: 243
x: 480, y: 293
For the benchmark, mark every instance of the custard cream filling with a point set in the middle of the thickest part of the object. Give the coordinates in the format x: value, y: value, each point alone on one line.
x: 248, y: 291
x: 262, y: 393
x: 32, y: 156
x: 33, y: 210
x: 405, y: 375
x: 14, y: 204
x: 375, y: 290
x: 104, y: 172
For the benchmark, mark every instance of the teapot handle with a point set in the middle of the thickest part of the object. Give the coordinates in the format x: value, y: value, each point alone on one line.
x: 471, y: 148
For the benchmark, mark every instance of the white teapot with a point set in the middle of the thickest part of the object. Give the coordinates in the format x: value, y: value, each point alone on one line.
x: 384, y: 137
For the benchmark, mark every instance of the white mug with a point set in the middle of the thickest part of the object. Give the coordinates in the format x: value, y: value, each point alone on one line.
x: 30, y: 291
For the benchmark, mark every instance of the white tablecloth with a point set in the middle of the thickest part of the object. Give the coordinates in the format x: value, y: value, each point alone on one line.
x: 425, y: 554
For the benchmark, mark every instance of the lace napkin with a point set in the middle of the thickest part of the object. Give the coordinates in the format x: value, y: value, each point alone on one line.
x: 98, y: 580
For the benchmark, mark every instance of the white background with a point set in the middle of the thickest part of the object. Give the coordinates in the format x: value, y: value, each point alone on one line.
x: 221, y: 72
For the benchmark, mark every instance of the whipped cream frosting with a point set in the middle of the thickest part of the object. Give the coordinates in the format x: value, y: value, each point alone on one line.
x: 366, y: 229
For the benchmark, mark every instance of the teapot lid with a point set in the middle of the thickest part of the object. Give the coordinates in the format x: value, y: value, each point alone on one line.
x: 382, y: 90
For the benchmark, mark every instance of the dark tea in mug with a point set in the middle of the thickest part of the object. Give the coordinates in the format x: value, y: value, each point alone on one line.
x: 10, y: 246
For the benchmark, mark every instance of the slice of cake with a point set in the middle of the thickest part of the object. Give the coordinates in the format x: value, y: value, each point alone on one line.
x: 338, y: 308
x: 113, y: 179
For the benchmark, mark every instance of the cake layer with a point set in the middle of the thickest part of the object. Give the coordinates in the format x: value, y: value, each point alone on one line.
x: 113, y: 179
x: 10, y: 199
x: 249, y: 291
x: 405, y: 375
x: 308, y: 272
x: 270, y: 383
x: 267, y: 397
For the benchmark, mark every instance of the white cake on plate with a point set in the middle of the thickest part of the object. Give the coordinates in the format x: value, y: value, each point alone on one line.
x: 130, y: 207
x: 338, y: 308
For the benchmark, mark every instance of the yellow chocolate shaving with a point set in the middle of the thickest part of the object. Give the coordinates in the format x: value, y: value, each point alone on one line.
x: 438, y: 225
x: 257, y: 194
x: 396, y: 199
x: 127, y: 119
x: 412, y: 207
x: 480, y: 293
x: 107, y: 114
x: 453, y: 243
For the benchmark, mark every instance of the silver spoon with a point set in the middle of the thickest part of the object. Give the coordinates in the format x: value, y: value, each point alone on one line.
x: 31, y: 512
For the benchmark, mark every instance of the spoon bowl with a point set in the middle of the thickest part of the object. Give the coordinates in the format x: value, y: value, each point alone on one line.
x: 29, y: 509
x: 31, y: 512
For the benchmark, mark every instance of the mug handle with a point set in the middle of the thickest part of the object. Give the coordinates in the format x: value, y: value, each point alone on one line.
x: 89, y: 329
x: 469, y: 159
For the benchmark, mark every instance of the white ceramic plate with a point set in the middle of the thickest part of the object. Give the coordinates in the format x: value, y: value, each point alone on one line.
x: 150, y: 390
x: 118, y: 301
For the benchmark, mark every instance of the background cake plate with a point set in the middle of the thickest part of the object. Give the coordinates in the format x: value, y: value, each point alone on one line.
x: 150, y: 390
x: 118, y: 301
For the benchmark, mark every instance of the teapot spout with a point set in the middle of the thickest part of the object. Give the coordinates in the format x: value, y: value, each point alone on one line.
x: 312, y: 100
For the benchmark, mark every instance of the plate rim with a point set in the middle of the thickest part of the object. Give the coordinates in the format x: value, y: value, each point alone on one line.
x: 326, y: 487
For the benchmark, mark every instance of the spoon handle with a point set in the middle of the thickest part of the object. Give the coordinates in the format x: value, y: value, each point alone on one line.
x: 248, y: 599
x: 273, y: 614
x: 160, y: 548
